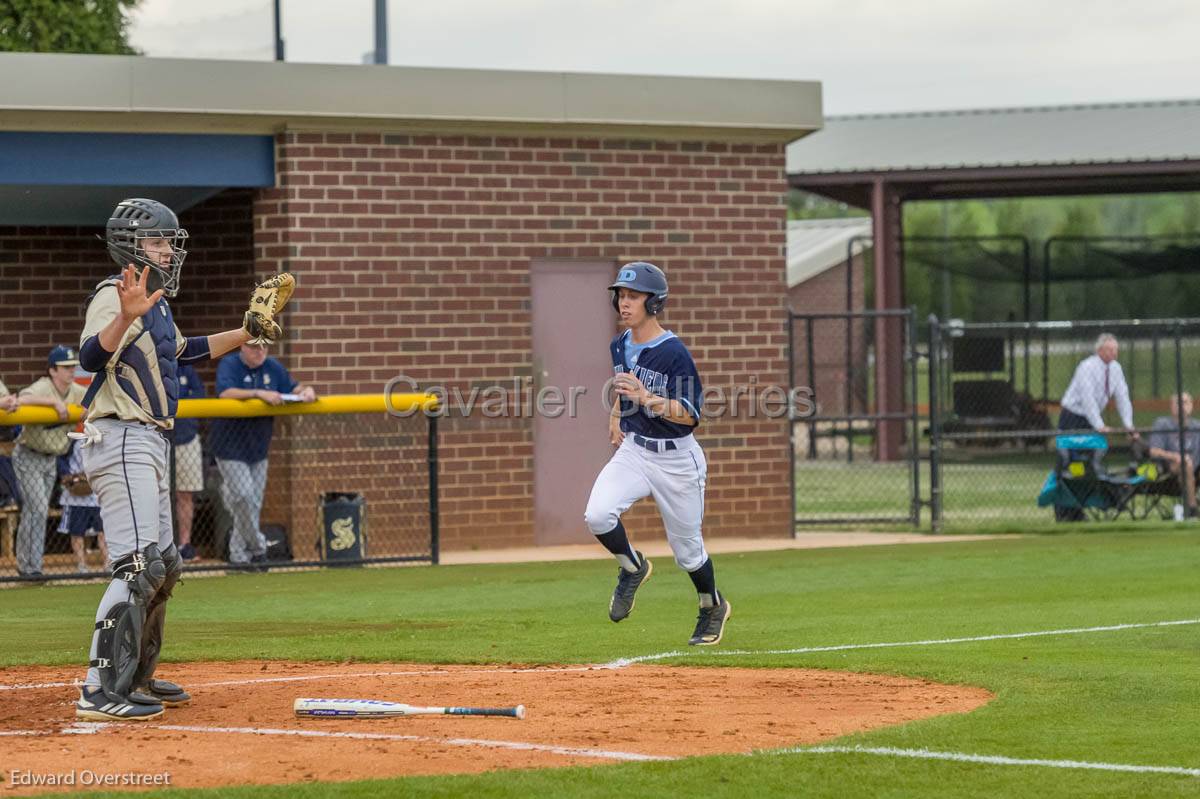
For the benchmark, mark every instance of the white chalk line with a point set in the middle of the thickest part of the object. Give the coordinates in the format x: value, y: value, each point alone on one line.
x: 84, y: 728
x: 992, y: 760
x: 339, y: 676
x: 622, y: 662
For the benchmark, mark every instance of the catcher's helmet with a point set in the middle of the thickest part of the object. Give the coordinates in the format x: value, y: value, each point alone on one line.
x: 646, y: 278
x: 135, y: 220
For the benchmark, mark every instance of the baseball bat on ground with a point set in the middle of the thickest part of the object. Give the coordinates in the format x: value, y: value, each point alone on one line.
x: 376, y: 708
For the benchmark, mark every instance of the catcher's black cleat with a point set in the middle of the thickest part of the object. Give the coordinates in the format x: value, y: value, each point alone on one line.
x: 710, y: 624
x: 628, y: 583
x: 94, y: 705
x: 164, y: 692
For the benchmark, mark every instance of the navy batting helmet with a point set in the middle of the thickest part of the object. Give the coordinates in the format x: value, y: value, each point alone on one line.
x: 135, y: 220
x: 646, y: 278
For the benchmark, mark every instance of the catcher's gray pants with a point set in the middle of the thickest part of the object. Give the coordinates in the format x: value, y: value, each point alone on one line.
x: 242, y: 486
x: 36, y: 476
x: 130, y: 471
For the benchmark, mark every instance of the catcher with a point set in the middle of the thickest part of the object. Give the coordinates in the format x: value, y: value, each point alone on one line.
x: 130, y: 340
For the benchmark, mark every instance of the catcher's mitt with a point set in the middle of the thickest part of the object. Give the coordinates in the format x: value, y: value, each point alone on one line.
x: 77, y: 485
x: 267, y: 300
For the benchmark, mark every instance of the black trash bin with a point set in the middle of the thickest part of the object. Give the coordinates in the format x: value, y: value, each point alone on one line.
x: 343, y: 526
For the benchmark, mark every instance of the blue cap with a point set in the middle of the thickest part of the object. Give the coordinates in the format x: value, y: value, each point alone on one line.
x: 63, y: 356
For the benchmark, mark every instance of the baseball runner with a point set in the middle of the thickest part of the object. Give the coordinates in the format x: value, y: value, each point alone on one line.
x: 130, y: 340
x: 651, y: 425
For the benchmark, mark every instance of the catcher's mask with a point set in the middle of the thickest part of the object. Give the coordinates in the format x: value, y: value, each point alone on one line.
x: 132, y: 223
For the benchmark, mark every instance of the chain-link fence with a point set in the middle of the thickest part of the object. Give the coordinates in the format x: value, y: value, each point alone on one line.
x: 250, y: 494
x: 854, y: 458
x: 1036, y: 424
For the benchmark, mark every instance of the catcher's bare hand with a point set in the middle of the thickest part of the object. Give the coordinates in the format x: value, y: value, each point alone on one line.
x: 132, y: 293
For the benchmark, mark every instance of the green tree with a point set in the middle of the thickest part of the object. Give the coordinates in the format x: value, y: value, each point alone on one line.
x: 66, y: 26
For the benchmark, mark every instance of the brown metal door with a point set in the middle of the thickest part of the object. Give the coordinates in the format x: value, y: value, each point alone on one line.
x: 573, y: 321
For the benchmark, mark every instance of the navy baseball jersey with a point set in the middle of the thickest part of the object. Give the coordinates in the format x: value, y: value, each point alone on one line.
x: 666, y: 369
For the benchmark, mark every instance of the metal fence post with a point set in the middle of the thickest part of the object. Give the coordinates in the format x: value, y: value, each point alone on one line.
x: 791, y: 438
x: 914, y: 444
x: 433, y: 489
x: 1180, y: 417
x: 935, y: 432
x: 812, y: 383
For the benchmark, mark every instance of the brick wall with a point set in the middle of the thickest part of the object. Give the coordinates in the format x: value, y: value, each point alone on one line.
x: 47, y: 274
x: 414, y: 257
x: 414, y: 253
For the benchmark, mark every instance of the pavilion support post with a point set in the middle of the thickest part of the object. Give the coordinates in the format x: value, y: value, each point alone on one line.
x: 889, y: 331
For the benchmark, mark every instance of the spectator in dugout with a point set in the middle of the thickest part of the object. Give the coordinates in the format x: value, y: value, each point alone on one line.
x: 80, y: 509
x: 35, y: 457
x: 8, y: 479
x: 8, y: 402
x: 1164, y: 446
x: 189, y: 462
x: 241, y: 445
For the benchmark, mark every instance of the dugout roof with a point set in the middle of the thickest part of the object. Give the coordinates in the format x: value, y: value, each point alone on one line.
x: 1083, y: 149
x: 209, y: 124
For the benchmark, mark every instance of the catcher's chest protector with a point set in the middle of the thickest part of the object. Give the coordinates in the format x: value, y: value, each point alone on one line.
x: 147, y: 367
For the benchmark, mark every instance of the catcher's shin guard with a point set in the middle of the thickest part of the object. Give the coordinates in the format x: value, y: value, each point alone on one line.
x: 117, y: 650
x: 168, y: 693
x: 119, y: 647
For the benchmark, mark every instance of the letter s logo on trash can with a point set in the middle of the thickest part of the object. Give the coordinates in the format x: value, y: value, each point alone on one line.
x: 343, y: 533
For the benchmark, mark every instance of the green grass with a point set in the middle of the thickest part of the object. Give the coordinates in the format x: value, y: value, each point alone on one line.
x: 1127, y: 696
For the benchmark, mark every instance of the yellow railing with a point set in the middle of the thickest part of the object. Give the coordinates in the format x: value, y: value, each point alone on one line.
x: 228, y: 408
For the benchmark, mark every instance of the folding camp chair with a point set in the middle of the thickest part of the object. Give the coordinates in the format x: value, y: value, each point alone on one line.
x: 1079, y: 487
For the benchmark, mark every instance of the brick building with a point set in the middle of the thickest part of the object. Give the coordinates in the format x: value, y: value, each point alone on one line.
x: 422, y: 212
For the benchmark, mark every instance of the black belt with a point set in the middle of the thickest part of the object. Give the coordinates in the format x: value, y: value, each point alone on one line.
x: 654, y: 445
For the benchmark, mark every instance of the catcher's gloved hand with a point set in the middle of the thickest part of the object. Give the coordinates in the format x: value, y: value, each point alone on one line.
x: 266, y: 301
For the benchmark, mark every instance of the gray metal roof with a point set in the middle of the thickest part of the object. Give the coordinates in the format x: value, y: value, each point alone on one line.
x: 1002, y: 137
x: 815, y: 245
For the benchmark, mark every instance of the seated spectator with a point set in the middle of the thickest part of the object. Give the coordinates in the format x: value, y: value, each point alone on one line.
x: 80, y: 510
x: 1164, y: 446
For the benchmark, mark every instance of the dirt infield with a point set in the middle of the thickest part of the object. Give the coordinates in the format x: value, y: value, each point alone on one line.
x: 240, y: 729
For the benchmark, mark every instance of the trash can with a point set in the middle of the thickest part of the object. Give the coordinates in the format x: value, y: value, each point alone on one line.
x: 343, y: 522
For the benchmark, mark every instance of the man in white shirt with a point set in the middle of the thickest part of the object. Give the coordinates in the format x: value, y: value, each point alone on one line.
x: 1098, y: 378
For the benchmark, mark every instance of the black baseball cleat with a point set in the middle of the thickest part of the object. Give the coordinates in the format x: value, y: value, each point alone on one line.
x: 710, y: 624
x: 628, y: 583
x: 165, y: 693
x: 94, y: 705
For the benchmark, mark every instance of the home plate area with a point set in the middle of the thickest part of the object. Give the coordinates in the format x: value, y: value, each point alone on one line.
x: 240, y: 728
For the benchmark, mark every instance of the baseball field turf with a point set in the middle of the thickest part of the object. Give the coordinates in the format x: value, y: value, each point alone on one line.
x: 1095, y: 706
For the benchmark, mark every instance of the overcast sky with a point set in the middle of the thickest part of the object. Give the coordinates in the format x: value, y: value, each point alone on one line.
x: 870, y: 55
